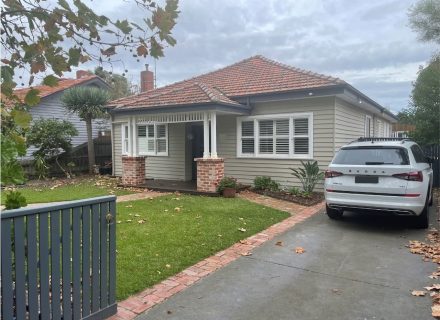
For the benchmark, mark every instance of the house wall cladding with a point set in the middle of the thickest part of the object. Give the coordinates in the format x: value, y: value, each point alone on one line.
x: 51, y: 107
x: 171, y: 167
x: 246, y: 169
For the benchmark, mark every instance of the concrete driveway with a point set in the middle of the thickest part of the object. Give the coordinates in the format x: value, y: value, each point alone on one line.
x: 357, y: 268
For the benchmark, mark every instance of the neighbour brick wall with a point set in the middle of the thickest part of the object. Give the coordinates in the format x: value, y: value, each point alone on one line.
x: 209, y: 173
x: 133, y: 171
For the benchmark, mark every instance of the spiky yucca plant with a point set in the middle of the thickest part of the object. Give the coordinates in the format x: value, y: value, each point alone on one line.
x: 88, y: 103
x: 309, y: 175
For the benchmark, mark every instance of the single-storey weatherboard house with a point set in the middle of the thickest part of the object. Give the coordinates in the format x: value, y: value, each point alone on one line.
x: 254, y: 118
x: 51, y: 107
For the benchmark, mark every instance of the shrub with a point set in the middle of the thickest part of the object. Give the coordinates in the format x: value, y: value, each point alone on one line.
x: 14, y: 200
x: 226, y: 182
x: 309, y: 175
x: 295, y: 191
x: 41, y: 166
x: 266, y: 183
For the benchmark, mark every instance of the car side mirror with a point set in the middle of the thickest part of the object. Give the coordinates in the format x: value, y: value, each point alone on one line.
x: 428, y: 160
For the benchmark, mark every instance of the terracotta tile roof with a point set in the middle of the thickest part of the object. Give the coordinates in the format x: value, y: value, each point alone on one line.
x: 190, y: 93
x: 251, y: 76
x: 45, y: 91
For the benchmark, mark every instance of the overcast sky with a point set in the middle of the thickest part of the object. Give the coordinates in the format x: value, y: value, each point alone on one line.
x: 366, y: 43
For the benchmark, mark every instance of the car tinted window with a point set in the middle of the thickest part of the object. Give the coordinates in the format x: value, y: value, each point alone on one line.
x: 373, y: 155
x: 418, y: 154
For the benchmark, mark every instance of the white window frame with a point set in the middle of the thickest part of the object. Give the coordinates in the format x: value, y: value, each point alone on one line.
x: 279, y: 116
x: 367, y: 126
x: 155, y: 139
x: 125, y: 138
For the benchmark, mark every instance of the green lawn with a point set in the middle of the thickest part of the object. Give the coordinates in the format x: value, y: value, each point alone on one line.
x: 169, y: 240
x: 72, y: 191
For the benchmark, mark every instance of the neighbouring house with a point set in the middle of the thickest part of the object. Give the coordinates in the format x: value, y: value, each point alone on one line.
x: 402, y: 130
x: 253, y: 118
x: 51, y: 107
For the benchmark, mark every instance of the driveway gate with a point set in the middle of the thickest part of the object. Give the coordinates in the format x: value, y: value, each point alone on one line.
x: 59, y: 261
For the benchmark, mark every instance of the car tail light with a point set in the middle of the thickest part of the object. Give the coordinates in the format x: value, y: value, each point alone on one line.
x: 332, y: 174
x: 410, y: 176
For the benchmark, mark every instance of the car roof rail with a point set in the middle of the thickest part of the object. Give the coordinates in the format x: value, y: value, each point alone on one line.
x: 373, y: 139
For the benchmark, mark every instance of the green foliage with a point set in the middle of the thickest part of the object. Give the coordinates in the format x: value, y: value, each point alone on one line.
x: 51, y: 137
x: 266, y: 183
x: 120, y: 86
x: 14, y: 200
x: 87, y: 102
x: 227, y: 182
x: 55, y: 35
x: 425, y: 104
x: 15, y: 121
x: 41, y: 166
x: 309, y: 175
x: 424, y: 19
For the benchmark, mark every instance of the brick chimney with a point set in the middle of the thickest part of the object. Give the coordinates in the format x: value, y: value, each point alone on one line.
x: 82, y: 73
x: 147, y: 79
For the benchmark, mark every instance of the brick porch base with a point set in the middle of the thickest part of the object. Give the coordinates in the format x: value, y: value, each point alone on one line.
x: 209, y: 173
x: 145, y: 300
x: 133, y: 171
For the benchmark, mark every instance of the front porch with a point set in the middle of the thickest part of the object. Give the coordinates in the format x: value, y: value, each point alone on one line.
x: 185, y: 142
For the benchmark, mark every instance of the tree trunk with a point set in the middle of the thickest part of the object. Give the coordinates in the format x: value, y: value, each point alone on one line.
x: 90, y: 145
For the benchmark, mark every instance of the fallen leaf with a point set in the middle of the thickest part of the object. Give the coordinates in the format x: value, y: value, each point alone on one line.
x: 168, y: 266
x: 141, y: 221
x: 436, y: 310
x: 336, y: 291
x: 246, y: 254
x: 279, y: 243
x: 242, y: 229
x: 129, y: 206
x: 418, y: 293
x: 119, y: 221
x: 244, y: 242
x: 128, y: 220
x: 137, y: 215
x: 169, y: 312
x: 299, y: 250
x: 433, y: 287
x: 166, y: 210
x: 177, y: 209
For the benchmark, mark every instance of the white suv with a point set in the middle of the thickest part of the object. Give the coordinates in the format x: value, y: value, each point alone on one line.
x: 382, y: 174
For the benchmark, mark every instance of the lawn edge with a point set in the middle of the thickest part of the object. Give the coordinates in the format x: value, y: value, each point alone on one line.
x: 136, y: 304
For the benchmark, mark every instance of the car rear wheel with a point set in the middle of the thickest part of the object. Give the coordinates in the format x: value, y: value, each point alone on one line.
x: 334, y: 213
x: 422, y: 221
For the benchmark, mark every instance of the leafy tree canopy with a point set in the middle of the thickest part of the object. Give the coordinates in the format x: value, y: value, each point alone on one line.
x: 40, y: 36
x: 424, y: 109
x: 120, y: 87
x: 87, y: 102
x: 424, y: 19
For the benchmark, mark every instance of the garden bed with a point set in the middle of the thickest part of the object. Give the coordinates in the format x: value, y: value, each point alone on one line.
x: 311, y: 200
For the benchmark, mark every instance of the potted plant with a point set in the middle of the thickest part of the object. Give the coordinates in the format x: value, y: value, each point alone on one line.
x: 227, y: 187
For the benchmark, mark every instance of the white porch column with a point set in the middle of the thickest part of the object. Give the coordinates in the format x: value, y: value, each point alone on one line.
x: 213, y: 135
x: 205, y: 135
x: 134, y: 136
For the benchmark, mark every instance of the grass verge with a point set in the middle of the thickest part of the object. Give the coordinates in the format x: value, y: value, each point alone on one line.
x: 160, y: 237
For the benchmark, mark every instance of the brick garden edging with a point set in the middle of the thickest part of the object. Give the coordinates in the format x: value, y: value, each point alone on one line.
x: 145, y: 300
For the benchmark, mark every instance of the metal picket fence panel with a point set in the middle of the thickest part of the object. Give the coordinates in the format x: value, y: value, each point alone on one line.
x: 59, y: 261
x: 433, y: 151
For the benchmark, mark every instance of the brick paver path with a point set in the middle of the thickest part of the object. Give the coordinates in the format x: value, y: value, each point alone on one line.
x: 147, y: 194
x: 141, y: 302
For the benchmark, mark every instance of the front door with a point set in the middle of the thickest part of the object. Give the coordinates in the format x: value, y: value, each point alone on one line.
x: 197, y: 146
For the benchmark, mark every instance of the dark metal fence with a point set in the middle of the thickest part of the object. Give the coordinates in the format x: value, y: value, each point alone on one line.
x: 59, y: 261
x: 433, y: 151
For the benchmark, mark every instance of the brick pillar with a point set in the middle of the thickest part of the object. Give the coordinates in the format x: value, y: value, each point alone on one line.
x: 209, y: 173
x: 133, y: 171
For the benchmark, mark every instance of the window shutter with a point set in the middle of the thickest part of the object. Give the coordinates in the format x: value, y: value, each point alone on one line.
x: 300, y: 136
x: 266, y: 145
x: 266, y: 127
x: 161, y: 138
x: 301, y: 127
x: 247, y: 137
x: 282, y: 136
